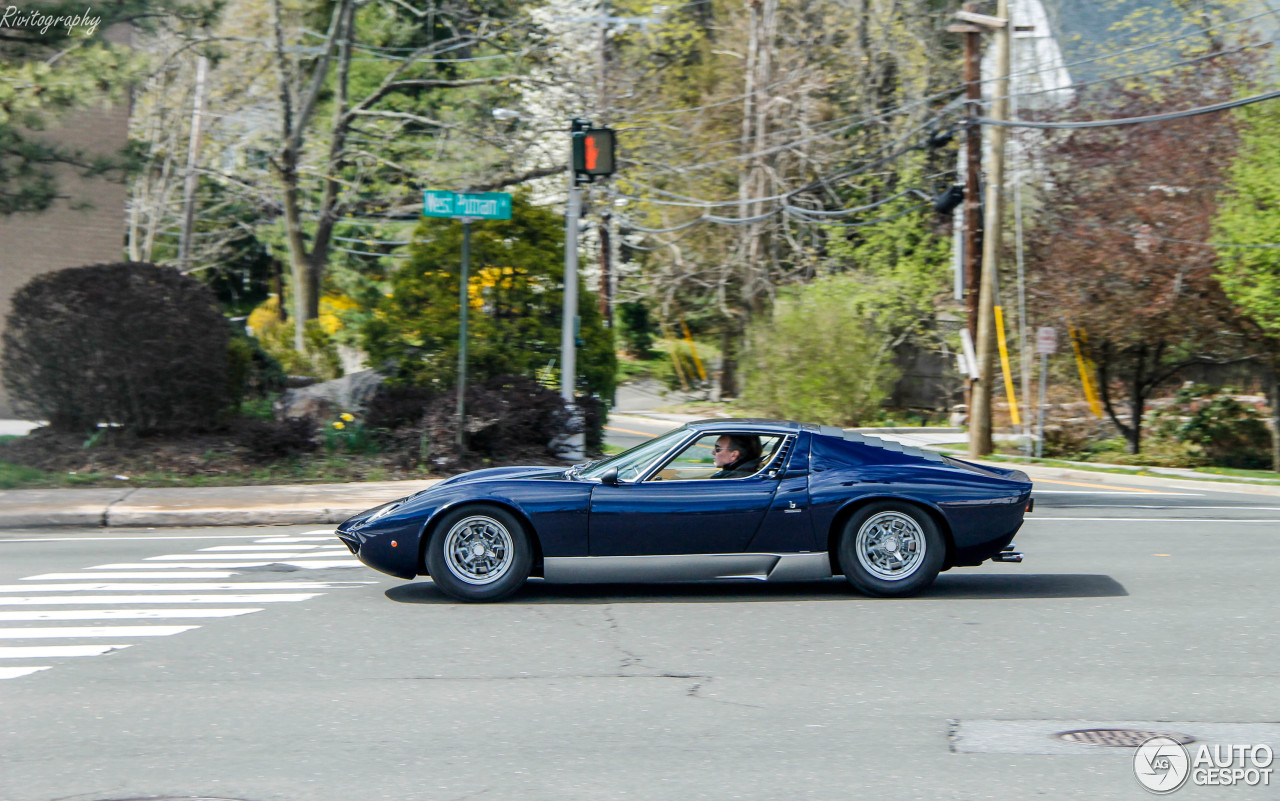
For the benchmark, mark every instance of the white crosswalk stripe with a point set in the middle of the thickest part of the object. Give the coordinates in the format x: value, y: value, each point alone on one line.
x: 90, y: 586
x: 268, y: 547
x: 224, y: 557
x: 121, y: 614
x: 76, y: 632
x: 19, y: 672
x: 177, y: 586
x: 257, y: 598
x: 60, y: 651
x: 190, y: 574
x: 315, y: 564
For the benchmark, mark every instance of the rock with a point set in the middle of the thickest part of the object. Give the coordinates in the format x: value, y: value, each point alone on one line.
x: 319, y: 402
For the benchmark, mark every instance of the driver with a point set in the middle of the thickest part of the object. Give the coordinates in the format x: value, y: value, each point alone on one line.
x: 737, y: 455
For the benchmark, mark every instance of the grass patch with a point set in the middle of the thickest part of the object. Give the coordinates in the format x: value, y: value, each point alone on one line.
x: 16, y: 476
x: 332, y: 469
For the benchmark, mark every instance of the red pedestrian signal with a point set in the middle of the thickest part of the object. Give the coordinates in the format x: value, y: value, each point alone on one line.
x: 593, y: 152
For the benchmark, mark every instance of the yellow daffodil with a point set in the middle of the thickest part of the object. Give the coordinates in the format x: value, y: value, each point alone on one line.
x: 339, y: 425
x: 347, y: 417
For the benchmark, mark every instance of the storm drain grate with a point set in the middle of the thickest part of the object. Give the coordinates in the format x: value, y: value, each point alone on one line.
x: 1120, y: 738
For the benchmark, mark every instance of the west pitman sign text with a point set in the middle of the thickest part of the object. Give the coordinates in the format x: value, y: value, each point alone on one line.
x: 478, y: 206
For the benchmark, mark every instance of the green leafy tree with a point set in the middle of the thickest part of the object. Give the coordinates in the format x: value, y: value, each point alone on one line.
x: 55, y: 57
x: 1249, y: 213
x: 823, y: 356
x: 515, y: 296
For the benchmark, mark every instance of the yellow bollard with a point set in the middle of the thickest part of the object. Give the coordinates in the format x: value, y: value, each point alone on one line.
x: 1086, y: 379
x: 1004, y: 368
x: 693, y: 351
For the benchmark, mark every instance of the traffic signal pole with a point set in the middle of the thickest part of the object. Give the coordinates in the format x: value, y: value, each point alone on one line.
x: 568, y: 347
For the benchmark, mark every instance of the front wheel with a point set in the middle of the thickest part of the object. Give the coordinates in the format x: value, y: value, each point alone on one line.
x: 479, y: 553
x: 891, y: 549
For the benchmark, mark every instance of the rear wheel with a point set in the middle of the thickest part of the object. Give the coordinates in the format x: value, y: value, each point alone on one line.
x: 891, y: 549
x: 479, y: 553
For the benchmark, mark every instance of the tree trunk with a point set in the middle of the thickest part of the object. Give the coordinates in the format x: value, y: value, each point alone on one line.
x: 1137, y: 400
x: 299, y: 264
x: 1275, y: 415
x: 728, y: 361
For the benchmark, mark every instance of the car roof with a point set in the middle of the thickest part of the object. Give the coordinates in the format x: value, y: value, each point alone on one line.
x: 758, y: 425
x: 767, y: 426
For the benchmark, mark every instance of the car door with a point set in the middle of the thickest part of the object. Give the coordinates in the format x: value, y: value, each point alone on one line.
x: 677, y: 509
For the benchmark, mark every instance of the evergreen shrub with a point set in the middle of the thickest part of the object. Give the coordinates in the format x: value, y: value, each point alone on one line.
x: 129, y: 343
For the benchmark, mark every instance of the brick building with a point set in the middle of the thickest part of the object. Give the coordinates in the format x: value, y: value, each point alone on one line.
x: 31, y: 244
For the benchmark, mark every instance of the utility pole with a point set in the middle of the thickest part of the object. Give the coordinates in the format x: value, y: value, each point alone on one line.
x: 193, y: 160
x: 980, y: 440
x: 973, y: 172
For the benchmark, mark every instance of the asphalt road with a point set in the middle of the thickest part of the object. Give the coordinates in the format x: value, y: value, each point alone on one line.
x: 1133, y: 606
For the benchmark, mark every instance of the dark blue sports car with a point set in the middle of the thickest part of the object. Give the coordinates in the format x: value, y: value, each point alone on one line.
x: 716, y: 499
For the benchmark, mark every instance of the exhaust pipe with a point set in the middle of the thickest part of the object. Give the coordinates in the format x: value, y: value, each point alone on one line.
x: 1007, y: 554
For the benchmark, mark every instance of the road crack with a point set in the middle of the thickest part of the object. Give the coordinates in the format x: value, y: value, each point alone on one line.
x: 630, y: 659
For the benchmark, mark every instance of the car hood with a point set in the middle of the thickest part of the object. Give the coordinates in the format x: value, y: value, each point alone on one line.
x: 541, y: 471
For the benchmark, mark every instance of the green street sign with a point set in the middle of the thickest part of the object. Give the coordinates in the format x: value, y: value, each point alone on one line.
x: 476, y: 206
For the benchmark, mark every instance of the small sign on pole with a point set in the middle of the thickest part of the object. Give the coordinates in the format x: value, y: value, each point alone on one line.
x: 1046, y: 340
x: 476, y: 205
x: 465, y: 207
x: 970, y: 357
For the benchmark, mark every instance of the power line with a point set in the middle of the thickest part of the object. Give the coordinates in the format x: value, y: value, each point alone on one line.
x: 1172, y: 115
x: 794, y: 212
x: 694, y: 203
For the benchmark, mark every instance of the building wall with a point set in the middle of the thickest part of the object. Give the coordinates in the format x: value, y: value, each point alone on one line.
x: 32, y: 244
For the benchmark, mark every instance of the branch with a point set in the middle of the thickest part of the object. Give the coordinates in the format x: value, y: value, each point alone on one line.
x: 321, y: 71
x: 427, y: 83
x: 282, y: 75
x: 402, y: 115
x: 514, y: 180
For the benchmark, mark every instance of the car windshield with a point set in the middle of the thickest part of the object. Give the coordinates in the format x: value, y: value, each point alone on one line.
x: 632, y: 463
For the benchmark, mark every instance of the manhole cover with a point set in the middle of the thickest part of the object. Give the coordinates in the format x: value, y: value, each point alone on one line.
x: 1120, y: 738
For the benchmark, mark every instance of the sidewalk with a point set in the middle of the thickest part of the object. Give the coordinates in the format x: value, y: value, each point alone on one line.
x: 282, y: 504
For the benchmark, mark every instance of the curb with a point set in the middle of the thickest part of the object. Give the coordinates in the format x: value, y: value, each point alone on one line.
x: 1153, y: 482
x: 278, y: 504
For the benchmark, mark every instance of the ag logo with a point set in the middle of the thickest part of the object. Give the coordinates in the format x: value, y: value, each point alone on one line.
x: 1161, y: 765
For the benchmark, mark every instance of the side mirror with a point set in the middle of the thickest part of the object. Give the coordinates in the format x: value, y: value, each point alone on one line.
x: 610, y: 477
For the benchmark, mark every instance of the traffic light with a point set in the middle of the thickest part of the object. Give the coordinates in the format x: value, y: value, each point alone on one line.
x: 946, y: 202
x: 593, y: 153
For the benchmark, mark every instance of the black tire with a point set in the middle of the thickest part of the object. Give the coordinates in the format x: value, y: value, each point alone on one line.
x: 492, y: 575
x: 910, y: 563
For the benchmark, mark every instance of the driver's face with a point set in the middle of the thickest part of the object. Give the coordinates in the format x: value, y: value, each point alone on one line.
x: 724, y: 456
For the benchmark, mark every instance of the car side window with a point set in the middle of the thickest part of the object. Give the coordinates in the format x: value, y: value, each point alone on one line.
x: 698, y: 460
